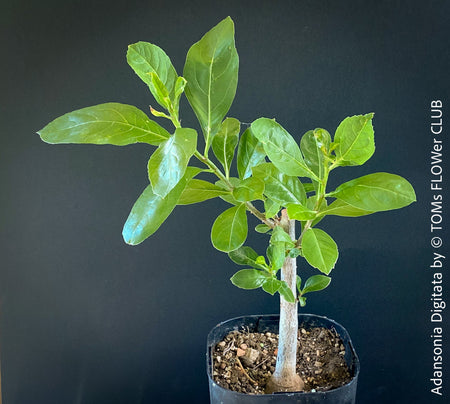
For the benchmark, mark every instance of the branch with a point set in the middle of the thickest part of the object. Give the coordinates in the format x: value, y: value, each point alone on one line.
x: 260, y: 215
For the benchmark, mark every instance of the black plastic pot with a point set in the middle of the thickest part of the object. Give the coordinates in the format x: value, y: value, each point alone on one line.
x: 269, y: 323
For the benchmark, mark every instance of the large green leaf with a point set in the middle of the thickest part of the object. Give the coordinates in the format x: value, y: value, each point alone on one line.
x: 225, y: 141
x: 199, y: 191
x: 250, y: 189
x: 248, y: 279
x: 280, y: 187
x: 314, y: 146
x: 281, y: 148
x: 250, y: 153
x: 168, y: 163
x: 245, y: 256
x: 229, y: 230
x: 354, y: 140
x: 150, y: 210
x: 300, y: 212
x: 154, y: 68
x: 320, y: 250
x: 111, y: 123
x: 341, y: 208
x: 211, y: 71
x: 376, y: 192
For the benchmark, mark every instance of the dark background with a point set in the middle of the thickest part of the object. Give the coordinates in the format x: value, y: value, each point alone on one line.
x: 85, y: 318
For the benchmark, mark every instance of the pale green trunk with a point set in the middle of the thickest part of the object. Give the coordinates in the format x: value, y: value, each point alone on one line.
x: 285, y: 377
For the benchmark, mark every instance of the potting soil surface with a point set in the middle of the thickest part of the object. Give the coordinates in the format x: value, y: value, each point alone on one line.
x: 243, y: 360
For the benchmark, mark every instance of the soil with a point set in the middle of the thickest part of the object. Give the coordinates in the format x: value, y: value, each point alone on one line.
x: 243, y: 360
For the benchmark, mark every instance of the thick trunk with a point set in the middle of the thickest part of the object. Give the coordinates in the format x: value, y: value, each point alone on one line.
x: 285, y: 377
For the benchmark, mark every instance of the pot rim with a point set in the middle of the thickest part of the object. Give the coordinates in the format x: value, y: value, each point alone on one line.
x: 342, y: 332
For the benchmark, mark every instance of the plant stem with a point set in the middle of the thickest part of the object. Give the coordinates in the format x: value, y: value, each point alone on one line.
x: 321, y: 194
x: 260, y: 215
x: 205, y: 160
x: 285, y: 377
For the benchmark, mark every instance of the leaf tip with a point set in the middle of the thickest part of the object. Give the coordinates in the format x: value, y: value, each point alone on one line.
x: 127, y: 239
x: 128, y: 236
x: 228, y: 20
x: 45, y: 136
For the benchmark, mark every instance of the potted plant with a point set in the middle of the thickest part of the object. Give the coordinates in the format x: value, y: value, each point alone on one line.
x: 275, y: 179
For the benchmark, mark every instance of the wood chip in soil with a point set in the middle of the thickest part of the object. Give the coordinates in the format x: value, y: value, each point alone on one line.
x: 243, y: 360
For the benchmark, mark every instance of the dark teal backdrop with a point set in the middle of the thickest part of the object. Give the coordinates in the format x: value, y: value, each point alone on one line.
x: 85, y: 318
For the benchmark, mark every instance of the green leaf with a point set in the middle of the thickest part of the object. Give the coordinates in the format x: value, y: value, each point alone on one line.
x: 111, y: 123
x: 248, y: 279
x: 316, y: 283
x: 286, y: 292
x: 354, y: 140
x: 168, y: 163
x: 281, y: 148
x: 245, y: 256
x: 229, y: 230
x: 312, y: 201
x: 280, y: 236
x: 225, y: 141
x: 146, y: 58
x: 199, y: 191
x: 302, y: 301
x: 250, y: 153
x: 314, y: 146
x: 250, y: 189
x: 261, y: 260
x: 276, y: 253
x: 320, y: 250
x: 271, y: 208
x: 341, y: 208
x: 294, y: 252
x: 299, y: 284
x: 235, y: 183
x: 211, y: 71
x: 271, y: 285
x: 150, y: 211
x: 180, y: 85
x: 309, y: 187
x: 376, y: 192
x: 262, y: 228
x: 300, y: 212
x: 229, y: 199
x: 280, y: 187
x: 159, y: 91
